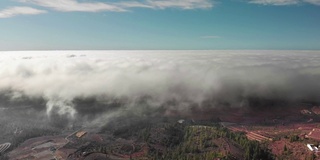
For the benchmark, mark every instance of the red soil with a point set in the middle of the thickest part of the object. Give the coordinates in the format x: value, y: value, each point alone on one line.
x: 316, y: 110
x: 314, y: 134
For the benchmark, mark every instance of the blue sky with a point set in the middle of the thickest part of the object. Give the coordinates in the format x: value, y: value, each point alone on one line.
x: 159, y: 24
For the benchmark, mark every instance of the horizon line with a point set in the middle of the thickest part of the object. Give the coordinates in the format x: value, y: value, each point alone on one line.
x: 39, y: 50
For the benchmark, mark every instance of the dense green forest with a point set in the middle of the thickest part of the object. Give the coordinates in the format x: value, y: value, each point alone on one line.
x: 201, y: 142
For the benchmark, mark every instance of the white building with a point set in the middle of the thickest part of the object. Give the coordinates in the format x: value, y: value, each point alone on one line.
x: 312, y: 148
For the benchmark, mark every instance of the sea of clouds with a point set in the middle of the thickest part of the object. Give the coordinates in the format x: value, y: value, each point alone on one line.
x: 174, y: 79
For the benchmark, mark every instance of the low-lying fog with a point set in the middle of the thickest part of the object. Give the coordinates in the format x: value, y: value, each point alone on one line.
x: 97, y: 85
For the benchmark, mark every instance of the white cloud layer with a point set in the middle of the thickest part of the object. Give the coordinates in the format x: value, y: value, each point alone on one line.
x: 15, y: 11
x: 188, y: 78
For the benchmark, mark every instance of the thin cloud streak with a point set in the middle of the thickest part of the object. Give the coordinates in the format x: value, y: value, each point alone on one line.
x: 314, y: 2
x: 133, y: 4
x: 284, y: 2
x: 15, y: 11
x: 183, y: 4
x: 275, y: 2
x: 75, y: 6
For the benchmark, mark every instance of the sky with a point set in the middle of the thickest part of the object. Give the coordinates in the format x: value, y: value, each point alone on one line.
x: 159, y: 25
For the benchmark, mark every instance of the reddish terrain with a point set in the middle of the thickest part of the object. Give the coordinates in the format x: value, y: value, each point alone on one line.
x: 285, y: 131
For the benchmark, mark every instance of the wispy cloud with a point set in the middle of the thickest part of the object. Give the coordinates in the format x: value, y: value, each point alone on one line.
x: 73, y: 5
x: 210, y: 37
x: 275, y: 2
x: 14, y: 11
x: 133, y: 4
x: 184, y: 4
x: 284, y: 2
x: 126, y: 5
x: 315, y: 2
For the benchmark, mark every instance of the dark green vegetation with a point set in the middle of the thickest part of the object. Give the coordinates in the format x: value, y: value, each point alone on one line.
x: 201, y: 142
x: 175, y: 141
